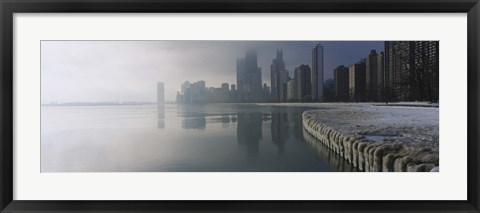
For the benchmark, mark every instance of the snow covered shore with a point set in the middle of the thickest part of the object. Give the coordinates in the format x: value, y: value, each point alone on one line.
x: 378, y: 138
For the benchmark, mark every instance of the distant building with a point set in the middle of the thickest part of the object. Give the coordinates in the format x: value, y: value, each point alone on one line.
x: 389, y: 69
x: 266, y: 93
x: 240, y: 78
x: 184, y: 87
x: 303, y: 81
x: 341, y: 88
x: 217, y: 95
x: 233, y: 93
x: 225, y: 87
x: 179, y: 98
x: 371, y: 67
x: 380, y: 96
x: 196, y: 93
x: 357, y: 80
x: 291, y: 90
x: 328, y: 94
x: 317, y: 73
x: 249, y: 78
x: 160, y: 93
x: 160, y: 105
x: 278, y: 78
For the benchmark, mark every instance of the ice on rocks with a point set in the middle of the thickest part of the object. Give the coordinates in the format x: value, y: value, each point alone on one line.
x: 378, y: 138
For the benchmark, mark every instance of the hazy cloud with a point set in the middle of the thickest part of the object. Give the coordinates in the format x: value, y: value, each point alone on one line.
x: 128, y: 70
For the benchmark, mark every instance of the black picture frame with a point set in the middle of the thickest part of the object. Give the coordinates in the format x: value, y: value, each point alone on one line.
x: 9, y: 7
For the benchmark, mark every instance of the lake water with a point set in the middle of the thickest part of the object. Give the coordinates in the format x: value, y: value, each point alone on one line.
x: 181, y: 138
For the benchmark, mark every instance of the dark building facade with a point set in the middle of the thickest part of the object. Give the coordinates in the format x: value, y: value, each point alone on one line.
x: 380, y: 87
x: 279, y: 78
x: 193, y: 93
x: 412, y: 70
x: 341, y: 84
x: 357, y: 81
x: 249, y: 78
x: 371, y: 76
x: 317, y: 73
x: 303, y: 83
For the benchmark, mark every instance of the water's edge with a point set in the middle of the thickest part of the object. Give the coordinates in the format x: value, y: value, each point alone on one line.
x: 367, y: 155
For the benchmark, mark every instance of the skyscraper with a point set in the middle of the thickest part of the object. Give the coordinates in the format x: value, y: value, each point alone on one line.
x: 225, y: 86
x: 341, y: 84
x: 411, y: 68
x: 278, y: 78
x: 317, y: 73
x: 357, y: 79
x: 380, y: 96
x: 303, y: 83
x: 389, y: 65
x: 371, y: 67
x: 291, y: 90
x: 160, y: 93
x: 160, y: 105
x: 426, y: 67
x: 240, y: 77
x: 249, y: 78
x: 266, y: 93
x: 185, y: 85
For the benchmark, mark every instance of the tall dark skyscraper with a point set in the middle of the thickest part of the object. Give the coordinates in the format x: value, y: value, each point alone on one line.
x: 240, y: 78
x: 388, y: 69
x: 317, y: 73
x: 303, y: 82
x: 279, y: 78
x: 341, y: 84
x: 371, y: 67
x: 357, y: 80
x: 380, y: 96
x: 249, y: 78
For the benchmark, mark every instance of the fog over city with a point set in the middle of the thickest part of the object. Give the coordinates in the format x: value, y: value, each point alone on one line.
x: 95, y: 71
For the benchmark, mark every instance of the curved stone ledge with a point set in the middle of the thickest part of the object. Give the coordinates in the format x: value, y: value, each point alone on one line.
x: 371, y: 156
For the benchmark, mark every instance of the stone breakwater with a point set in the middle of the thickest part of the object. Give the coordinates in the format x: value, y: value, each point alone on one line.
x: 390, y: 153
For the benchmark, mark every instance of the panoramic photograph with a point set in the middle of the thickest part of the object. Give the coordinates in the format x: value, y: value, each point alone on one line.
x: 239, y: 106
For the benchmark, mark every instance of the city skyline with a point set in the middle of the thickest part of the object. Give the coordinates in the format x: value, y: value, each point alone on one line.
x: 123, y: 70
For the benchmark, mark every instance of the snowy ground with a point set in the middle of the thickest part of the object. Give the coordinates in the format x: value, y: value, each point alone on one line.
x: 377, y: 122
x: 403, y: 137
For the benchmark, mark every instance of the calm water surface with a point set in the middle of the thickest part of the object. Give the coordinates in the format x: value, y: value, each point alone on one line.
x: 181, y: 138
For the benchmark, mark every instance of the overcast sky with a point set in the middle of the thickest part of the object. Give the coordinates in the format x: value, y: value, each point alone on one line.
x: 94, y: 71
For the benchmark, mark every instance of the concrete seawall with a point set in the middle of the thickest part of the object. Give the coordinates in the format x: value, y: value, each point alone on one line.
x: 369, y: 155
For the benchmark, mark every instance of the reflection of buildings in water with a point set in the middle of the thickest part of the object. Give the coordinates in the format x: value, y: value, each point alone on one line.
x: 225, y: 118
x: 266, y: 117
x: 298, y: 121
x: 160, y: 116
x: 249, y: 131
x: 194, y: 122
x: 225, y: 121
x: 192, y: 116
x: 219, y: 119
x: 328, y: 155
x: 279, y: 130
x: 161, y: 123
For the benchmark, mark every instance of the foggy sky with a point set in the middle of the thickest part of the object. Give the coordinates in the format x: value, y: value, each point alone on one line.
x: 94, y: 71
